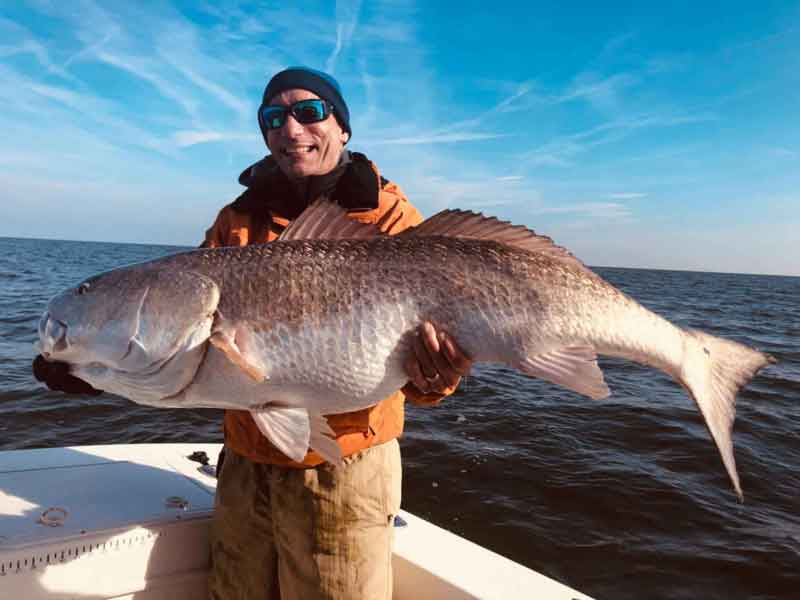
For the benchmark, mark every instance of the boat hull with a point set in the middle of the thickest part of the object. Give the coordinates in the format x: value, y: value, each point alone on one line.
x: 132, y: 521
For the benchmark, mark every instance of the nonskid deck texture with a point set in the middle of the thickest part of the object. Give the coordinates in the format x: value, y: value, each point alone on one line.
x: 131, y: 521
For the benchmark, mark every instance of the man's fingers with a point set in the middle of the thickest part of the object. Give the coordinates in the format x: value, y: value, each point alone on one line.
x: 436, y: 367
x: 422, y: 343
x: 415, y: 374
x: 423, y: 366
x: 429, y: 337
x: 440, y: 343
x: 436, y: 362
x: 447, y: 374
x: 460, y: 361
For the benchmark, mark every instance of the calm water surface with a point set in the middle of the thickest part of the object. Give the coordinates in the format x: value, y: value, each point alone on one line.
x: 623, y: 498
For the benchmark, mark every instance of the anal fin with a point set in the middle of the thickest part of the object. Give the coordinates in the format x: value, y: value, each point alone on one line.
x: 323, y: 440
x: 287, y: 428
x: 293, y: 431
x: 574, y: 367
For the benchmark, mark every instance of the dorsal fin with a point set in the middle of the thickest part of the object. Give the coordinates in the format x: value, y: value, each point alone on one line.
x: 326, y: 220
x: 468, y: 224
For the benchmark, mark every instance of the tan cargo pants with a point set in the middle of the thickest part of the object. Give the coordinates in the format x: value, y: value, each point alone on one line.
x: 306, y: 534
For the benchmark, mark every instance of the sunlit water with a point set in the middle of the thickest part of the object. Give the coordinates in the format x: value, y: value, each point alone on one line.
x: 621, y: 498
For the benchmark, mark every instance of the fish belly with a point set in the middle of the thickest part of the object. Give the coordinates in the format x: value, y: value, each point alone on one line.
x: 341, y: 362
x: 329, y: 366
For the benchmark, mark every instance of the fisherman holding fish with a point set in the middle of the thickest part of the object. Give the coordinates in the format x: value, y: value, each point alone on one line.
x: 313, y: 341
x: 322, y: 531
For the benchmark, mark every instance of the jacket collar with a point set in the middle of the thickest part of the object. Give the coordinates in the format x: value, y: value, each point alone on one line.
x: 353, y: 184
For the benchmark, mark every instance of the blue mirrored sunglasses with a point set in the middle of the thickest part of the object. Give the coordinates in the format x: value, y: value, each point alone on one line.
x: 304, y: 111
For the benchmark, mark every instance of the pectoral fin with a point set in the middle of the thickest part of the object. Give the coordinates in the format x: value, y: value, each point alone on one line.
x: 575, y: 368
x: 233, y: 344
x: 293, y: 431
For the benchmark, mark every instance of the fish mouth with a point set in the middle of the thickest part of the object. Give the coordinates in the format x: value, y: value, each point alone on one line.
x: 52, y: 335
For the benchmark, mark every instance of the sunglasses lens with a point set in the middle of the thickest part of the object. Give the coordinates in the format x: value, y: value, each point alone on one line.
x: 305, y: 111
x: 273, y: 117
x: 309, y: 111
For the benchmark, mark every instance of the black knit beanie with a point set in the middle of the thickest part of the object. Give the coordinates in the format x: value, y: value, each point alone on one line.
x: 322, y: 84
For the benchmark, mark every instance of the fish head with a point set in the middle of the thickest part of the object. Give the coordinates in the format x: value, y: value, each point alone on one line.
x: 138, y: 331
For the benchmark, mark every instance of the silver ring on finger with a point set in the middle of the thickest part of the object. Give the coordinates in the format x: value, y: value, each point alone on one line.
x: 432, y: 380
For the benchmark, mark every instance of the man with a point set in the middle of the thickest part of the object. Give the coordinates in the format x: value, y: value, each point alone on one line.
x: 311, y: 530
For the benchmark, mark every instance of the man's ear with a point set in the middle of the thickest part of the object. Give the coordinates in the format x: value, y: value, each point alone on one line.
x: 345, y: 137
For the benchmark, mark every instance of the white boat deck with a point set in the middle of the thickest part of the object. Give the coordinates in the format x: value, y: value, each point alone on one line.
x: 131, y: 521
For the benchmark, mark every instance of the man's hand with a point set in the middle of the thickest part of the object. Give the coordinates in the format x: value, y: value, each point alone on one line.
x: 436, y: 363
x: 55, y: 375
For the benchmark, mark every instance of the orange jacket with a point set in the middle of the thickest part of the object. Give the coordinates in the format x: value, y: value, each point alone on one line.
x: 258, y: 216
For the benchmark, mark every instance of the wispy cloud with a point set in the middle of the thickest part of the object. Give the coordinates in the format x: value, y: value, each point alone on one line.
x: 184, y: 139
x: 560, y: 151
x: 346, y: 22
x: 463, y: 130
x: 518, y: 97
x: 478, y: 191
x: 626, y: 195
x: 144, y: 70
x: 445, y: 138
x: 58, y: 106
x: 92, y: 49
x: 781, y: 152
x: 191, y: 138
x: 601, y: 92
x: 525, y: 91
x: 597, y: 90
x: 604, y: 210
x: 667, y: 63
x: 243, y: 108
x: 19, y: 40
x: 162, y: 49
x: 69, y: 98
x: 178, y: 47
x: 769, y: 39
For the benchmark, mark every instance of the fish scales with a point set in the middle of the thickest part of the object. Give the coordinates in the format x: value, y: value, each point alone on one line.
x: 312, y: 282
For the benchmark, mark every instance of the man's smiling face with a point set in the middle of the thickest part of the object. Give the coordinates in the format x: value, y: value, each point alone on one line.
x: 304, y: 150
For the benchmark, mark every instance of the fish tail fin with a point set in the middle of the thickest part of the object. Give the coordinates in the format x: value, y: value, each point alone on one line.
x: 713, y: 372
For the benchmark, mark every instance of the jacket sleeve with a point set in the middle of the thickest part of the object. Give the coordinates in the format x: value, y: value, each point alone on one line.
x: 215, y: 235
x: 398, y: 214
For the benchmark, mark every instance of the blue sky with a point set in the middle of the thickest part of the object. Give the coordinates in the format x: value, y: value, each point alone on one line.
x: 635, y: 136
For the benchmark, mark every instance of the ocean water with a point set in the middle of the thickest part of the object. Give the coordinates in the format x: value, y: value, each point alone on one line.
x: 622, y: 498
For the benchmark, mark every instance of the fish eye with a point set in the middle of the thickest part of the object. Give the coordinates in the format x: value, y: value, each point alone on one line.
x: 82, y: 289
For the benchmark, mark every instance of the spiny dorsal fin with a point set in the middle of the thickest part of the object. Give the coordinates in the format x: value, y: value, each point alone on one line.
x: 468, y: 224
x: 326, y: 220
